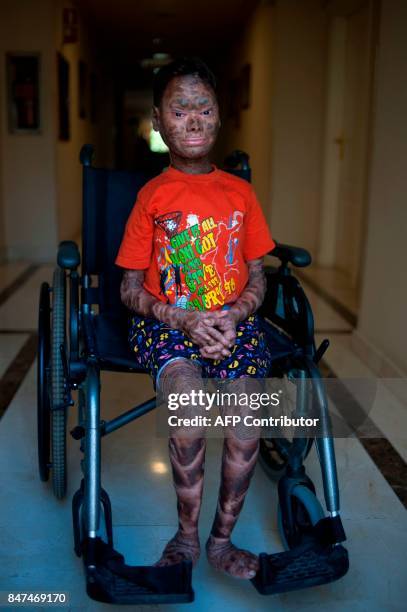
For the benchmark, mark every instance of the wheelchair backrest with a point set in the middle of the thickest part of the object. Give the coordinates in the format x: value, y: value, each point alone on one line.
x: 108, y: 198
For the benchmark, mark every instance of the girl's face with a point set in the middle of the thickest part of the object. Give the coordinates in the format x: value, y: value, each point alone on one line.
x: 188, y: 118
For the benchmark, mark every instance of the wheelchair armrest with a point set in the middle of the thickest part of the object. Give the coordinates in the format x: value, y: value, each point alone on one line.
x: 68, y: 256
x: 296, y: 255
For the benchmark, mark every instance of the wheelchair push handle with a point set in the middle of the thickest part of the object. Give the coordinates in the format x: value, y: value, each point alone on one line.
x: 86, y: 155
x: 237, y: 158
x: 68, y: 256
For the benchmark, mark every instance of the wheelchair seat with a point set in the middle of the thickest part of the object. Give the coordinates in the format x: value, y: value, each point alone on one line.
x: 113, y: 351
x: 110, y: 331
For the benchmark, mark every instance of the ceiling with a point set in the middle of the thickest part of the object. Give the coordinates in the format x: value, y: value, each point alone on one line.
x: 135, y: 29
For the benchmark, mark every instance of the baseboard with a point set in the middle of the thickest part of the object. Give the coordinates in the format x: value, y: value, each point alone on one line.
x: 3, y: 255
x: 383, y: 367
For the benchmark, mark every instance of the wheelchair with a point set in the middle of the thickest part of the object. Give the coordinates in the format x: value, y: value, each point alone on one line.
x: 80, y: 337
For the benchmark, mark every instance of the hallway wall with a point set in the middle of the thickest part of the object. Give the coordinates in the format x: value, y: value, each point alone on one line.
x: 28, y: 160
x: 300, y: 32
x: 2, y: 210
x: 285, y: 42
x: 100, y: 133
x: 254, y: 133
x: 382, y: 321
x: 40, y: 176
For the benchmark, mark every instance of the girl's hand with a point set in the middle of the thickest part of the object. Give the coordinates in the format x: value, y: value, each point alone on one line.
x: 226, y: 323
x: 201, y: 327
x: 214, y: 351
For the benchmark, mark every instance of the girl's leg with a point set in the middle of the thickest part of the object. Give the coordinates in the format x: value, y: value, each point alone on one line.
x: 240, y: 450
x: 187, y: 455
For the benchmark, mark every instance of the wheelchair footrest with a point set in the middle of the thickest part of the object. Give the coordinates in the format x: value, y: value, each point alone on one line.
x: 110, y: 580
x: 299, y: 568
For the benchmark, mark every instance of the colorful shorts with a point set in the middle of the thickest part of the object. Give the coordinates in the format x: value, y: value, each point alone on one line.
x: 155, y: 344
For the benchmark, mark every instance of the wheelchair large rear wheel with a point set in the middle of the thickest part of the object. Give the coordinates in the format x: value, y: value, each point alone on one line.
x: 43, y: 368
x: 58, y: 385
x: 274, y: 454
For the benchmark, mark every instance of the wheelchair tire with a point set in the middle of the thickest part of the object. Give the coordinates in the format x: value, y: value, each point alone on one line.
x: 307, y: 512
x: 58, y: 391
x: 274, y: 454
x: 43, y: 400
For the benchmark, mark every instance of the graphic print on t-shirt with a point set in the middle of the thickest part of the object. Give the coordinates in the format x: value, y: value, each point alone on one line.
x: 197, y: 264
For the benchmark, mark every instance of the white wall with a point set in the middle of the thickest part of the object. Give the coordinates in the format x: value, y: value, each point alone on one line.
x: 3, y: 253
x: 100, y: 134
x: 40, y: 177
x: 254, y: 133
x: 383, y: 311
x: 28, y: 161
x: 300, y: 31
x: 285, y: 42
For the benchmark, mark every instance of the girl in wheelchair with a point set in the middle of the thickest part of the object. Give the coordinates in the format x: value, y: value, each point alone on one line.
x: 193, y: 252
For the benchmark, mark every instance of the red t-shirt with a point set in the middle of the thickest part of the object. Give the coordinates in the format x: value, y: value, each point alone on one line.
x: 193, y: 234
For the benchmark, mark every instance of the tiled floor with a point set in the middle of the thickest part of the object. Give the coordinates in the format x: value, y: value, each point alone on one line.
x: 334, y: 282
x: 9, y: 272
x: 10, y: 345
x: 36, y: 529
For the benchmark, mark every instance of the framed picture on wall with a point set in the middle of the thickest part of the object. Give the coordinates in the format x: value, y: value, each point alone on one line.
x: 63, y: 98
x: 23, y: 92
x: 83, y: 89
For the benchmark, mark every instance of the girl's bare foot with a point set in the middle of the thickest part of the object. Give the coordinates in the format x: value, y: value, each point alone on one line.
x: 182, y: 547
x: 224, y: 556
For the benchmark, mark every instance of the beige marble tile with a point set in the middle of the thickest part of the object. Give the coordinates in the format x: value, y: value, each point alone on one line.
x: 325, y: 317
x: 388, y: 412
x: 10, y: 344
x: 21, y: 309
x: 335, y: 283
x: 10, y: 271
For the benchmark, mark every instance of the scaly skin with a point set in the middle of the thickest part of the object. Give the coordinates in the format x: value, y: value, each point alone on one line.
x: 189, y: 110
x: 187, y: 456
x: 240, y: 451
x: 248, y: 302
x: 199, y: 326
x: 214, y: 332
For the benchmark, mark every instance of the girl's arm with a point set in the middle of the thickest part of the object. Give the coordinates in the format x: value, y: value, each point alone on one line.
x: 247, y: 303
x: 253, y: 294
x: 199, y: 326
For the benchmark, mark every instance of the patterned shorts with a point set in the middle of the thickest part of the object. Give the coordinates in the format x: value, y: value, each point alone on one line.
x: 155, y: 344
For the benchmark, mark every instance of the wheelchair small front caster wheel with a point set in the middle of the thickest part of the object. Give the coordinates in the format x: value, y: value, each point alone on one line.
x: 307, y: 511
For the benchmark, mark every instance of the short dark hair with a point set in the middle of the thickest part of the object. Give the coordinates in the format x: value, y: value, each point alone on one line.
x: 182, y: 66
